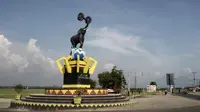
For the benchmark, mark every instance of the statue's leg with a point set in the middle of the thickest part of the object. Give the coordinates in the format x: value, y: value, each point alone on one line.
x: 81, y: 45
x: 81, y: 39
x: 73, y: 43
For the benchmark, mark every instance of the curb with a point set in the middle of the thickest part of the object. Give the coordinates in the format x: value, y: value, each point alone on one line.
x: 55, y: 106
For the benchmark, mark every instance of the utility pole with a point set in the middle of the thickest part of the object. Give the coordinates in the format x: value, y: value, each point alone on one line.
x: 129, y: 84
x: 194, y: 80
x: 199, y: 82
x: 135, y: 85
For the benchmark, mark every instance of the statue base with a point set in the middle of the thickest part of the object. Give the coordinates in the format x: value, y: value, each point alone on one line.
x: 76, y: 80
x: 73, y: 91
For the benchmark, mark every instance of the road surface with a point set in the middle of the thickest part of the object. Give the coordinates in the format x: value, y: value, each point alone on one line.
x: 194, y: 96
x: 182, y: 109
x: 157, y: 103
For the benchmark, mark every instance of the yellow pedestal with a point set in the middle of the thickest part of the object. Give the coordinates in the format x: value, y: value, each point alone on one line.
x: 76, y: 86
x: 88, y: 64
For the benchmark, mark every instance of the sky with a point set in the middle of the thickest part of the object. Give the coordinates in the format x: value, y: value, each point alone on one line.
x: 153, y: 37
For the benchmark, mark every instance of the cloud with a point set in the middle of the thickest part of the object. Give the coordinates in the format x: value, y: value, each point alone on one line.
x: 187, y: 70
x: 138, y: 54
x: 10, y: 59
x: 157, y: 73
x: 30, y: 67
x: 37, y: 56
x: 126, y: 45
x: 189, y: 55
x: 108, y: 66
x: 110, y: 39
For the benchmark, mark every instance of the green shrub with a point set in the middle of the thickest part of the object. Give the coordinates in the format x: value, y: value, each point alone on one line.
x: 18, y: 88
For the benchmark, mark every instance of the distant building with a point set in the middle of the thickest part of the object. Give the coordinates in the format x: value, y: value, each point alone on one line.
x: 151, y: 88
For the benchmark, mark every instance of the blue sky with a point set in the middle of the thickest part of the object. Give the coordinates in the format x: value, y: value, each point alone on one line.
x: 164, y: 33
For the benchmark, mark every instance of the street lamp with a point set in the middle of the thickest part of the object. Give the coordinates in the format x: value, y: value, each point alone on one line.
x: 129, y: 83
x: 194, y: 80
x: 129, y: 77
x: 135, y: 85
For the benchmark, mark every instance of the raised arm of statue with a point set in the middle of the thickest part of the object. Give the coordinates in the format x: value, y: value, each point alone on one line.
x: 86, y: 26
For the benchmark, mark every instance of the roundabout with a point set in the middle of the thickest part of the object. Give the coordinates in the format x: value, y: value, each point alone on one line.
x: 75, y: 92
x: 62, y: 106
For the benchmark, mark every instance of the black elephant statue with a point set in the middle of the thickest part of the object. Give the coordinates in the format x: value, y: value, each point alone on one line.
x: 80, y: 36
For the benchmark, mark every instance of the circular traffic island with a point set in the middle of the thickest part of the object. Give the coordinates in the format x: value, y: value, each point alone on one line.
x: 63, y: 102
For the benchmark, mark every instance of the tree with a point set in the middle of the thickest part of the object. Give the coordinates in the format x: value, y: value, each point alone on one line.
x: 104, y: 79
x: 92, y: 83
x: 114, y: 79
x: 153, y: 83
x: 19, y: 88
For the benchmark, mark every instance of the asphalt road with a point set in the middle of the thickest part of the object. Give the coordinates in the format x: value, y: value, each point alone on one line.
x: 158, y: 103
x: 194, y: 96
x: 183, y: 109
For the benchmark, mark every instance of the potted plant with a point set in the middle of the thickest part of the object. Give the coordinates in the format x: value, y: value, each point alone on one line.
x: 18, y: 90
x: 78, y: 98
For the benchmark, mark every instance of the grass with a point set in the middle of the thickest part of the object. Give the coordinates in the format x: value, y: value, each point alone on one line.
x: 10, y: 93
